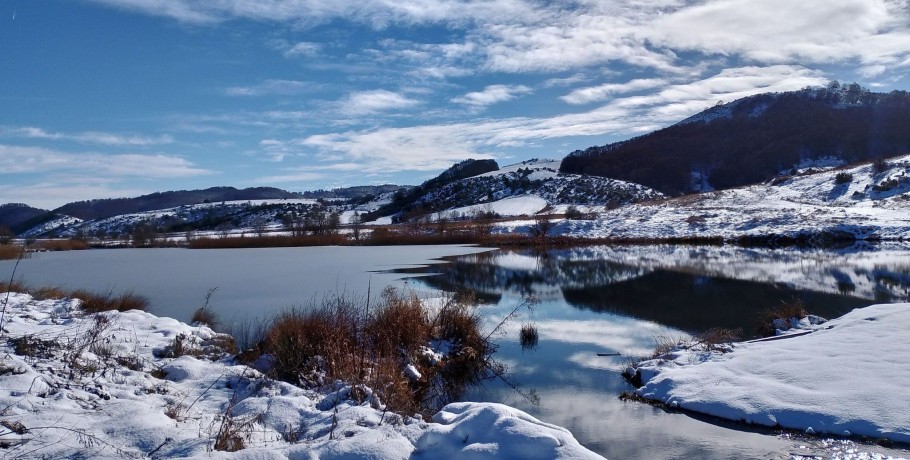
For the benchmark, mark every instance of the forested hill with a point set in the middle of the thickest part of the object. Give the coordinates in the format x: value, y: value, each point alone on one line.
x: 753, y: 139
x: 18, y: 217
x: 99, y: 209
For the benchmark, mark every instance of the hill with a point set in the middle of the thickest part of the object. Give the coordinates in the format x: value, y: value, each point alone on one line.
x: 19, y: 217
x: 102, y: 208
x: 754, y: 139
x: 866, y: 201
x: 469, y: 186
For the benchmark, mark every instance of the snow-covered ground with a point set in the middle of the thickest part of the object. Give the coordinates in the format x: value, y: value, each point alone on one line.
x: 102, y: 386
x: 862, y: 202
x: 847, y: 376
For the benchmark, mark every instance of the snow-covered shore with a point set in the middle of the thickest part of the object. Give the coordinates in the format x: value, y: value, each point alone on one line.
x: 109, y: 386
x: 847, y: 377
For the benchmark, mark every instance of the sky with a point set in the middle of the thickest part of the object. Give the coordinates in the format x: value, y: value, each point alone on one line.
x: 118, y: 98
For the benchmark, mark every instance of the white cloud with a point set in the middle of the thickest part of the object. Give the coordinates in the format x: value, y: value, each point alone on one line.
x: 434, y: 147
x: 527, y: 36
x: 273, y: 87
x: 88, y: 137
x: 603, y: 92
x: 374, y: 101
x: 492, y: 94
x: 23, y: 160
x: 59, y: 191
x: 303, y: 49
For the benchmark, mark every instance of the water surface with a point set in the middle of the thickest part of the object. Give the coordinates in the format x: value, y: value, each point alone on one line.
x: 587, y: 301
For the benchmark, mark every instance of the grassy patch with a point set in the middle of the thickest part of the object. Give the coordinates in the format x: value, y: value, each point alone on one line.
x: 92, y: 302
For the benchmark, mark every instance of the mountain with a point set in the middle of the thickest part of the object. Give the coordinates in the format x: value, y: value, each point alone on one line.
x: 467, y: 186
x: 100, y: 209
x: 756, y: 138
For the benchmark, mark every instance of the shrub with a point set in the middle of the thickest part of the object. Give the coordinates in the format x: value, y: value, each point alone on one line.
x: 843, y: 178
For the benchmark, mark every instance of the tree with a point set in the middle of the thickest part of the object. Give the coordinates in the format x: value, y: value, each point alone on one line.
x: 541, y: 226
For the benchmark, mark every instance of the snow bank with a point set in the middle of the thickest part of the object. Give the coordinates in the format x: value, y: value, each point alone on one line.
x: 847, y: 377
x: 109, y: 386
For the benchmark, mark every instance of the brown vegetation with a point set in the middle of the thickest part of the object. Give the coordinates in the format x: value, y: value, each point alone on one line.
x: 60, y: 245
x: 785, y: 311
x: 91, y: 302
x: 371, y: 347
x: 12, y: 252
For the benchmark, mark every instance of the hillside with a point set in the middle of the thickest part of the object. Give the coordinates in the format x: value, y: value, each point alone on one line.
x: 867, y: 201
x: 99, y: 209
x: 753, y: 139
x: 536, y: 180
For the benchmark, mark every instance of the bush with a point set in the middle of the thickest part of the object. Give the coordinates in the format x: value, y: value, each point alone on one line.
x: 843, y: 178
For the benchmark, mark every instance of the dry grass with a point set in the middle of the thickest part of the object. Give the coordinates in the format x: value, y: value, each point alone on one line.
x: 528, y: 336
x: 60, y: 245
x: 347, y: 340
x: 12, y: 252
x: 206, y: 316
x: 785, y: 311
x: 94, y: 302
x: 91, y: 302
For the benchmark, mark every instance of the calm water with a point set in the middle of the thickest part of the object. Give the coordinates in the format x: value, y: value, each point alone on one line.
x: 617, y: 300
x: 587, y: 301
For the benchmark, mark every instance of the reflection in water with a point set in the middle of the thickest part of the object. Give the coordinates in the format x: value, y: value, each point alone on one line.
x: 596, y: 302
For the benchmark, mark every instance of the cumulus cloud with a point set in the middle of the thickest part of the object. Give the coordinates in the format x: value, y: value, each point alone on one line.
x: 492, y: 94
x: 88, y: 137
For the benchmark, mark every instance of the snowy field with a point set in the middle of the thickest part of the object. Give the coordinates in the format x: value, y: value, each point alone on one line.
x: 847, y: 376
x: 99, y: 386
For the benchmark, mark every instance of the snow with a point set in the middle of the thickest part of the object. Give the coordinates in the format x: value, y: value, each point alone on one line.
x: 869, y: 206
x: 541, y: 169
x: 848, y: 376
x: 525, y: 205
x: 104, y: 386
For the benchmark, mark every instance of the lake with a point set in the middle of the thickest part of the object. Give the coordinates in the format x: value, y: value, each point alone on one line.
x: 583, y: 301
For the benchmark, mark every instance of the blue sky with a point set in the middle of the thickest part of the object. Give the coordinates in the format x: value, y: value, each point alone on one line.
x: 111, y: 98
